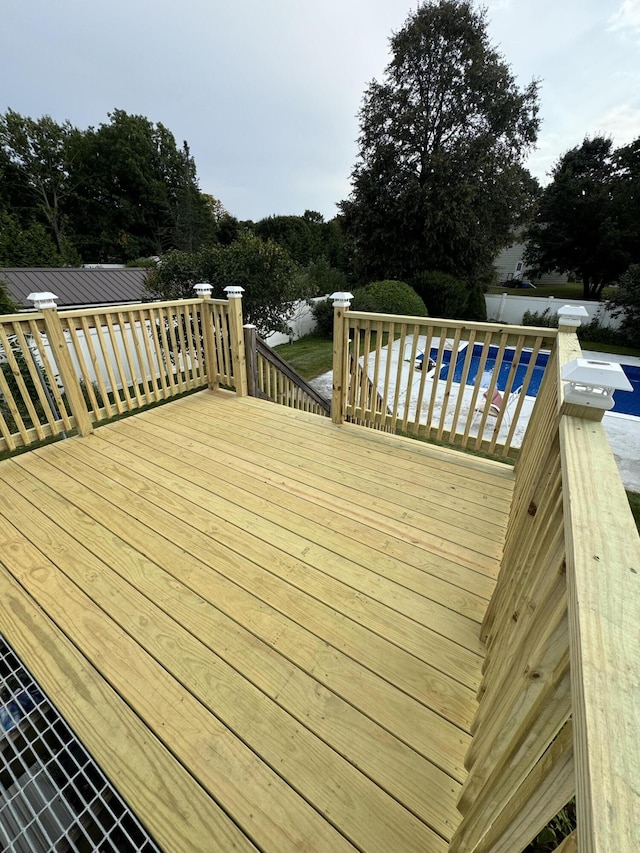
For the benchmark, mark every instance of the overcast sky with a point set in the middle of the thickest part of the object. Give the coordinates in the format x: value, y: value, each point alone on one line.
x: 267, y: 92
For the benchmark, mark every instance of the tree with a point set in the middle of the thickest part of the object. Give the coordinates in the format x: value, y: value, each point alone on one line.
x: 39, y: 151
x: 26, y: 247
x: 439, y: 181
x: 136, y: 192
x: 7, y: 305
x: 585, y: 224
x: 307, y: 238
x: 265, y: 270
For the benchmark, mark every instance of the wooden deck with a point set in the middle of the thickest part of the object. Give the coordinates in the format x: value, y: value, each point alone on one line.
x: 263, y: 626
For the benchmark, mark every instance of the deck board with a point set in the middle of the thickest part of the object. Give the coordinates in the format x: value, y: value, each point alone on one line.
x: 312, y: 633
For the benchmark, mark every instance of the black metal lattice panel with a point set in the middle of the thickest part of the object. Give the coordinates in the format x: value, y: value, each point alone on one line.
x: 53, y: 796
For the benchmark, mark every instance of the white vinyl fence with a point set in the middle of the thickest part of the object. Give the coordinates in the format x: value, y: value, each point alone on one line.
x: 508, y: 308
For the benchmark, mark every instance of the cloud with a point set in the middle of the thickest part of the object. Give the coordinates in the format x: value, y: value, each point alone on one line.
x: 621, y: 123
x: 627, y: 17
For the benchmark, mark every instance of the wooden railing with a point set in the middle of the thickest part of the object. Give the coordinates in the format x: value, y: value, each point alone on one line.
x: 559, y: 703
x: 270, y: 377
x: 73, y: 369
x: 429, y: 376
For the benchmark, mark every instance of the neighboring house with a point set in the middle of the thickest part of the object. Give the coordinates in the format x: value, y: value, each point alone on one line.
x: 510, y: 264
x: 76, y: 287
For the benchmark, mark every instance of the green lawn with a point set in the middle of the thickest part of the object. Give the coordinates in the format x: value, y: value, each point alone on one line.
x: 594, y: 346
x: 310, y: 356
x: 571, y: 290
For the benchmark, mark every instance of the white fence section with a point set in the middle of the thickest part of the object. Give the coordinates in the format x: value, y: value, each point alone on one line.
x: 301, y: 323
x: 508, y: 308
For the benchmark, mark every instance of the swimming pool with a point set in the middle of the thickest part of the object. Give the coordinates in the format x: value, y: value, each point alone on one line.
x: 628, y: 402
x: 503, y: 370
x: 625, y: 402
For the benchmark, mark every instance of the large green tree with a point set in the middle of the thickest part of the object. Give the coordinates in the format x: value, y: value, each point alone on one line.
x: 588, y: 218
x: 36, y: 156
x: 112, y: 193
x: 264, y: 269
x: 136, y: 192
x: 439, y: 181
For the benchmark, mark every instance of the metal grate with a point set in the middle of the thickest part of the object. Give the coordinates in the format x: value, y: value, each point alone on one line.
x: 53, y: 796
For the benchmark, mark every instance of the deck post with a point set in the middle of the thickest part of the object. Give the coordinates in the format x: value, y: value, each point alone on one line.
x: 251, y: 353
x: 203, y: 290
x: 45, y: 302
x: 234, y: 295
x: 341, y: 303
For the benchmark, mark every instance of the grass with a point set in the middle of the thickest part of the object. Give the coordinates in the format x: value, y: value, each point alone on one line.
x: 310, y: 356
x: 570, y: 290
x: 594, y: 346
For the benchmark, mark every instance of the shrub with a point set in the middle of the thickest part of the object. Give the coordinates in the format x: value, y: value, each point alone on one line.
x: 322, y: 311
x: 625, y: 302
x: 476, y: 308
x: 443, y: 294
x: 591, y: 332
x: 389, y: 297
x: 545, y: 319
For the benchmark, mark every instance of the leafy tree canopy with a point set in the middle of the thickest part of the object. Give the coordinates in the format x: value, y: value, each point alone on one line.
x: 36, y: 155
x: 588, y: 218
x: 439, y: 181
x: 307, y: 238
x: 7, y: 305
x: 263, y: 268
x: 27, y: 247
x: 112, y: 193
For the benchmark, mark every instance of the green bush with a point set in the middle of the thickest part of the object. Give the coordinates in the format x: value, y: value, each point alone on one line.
x: 625, y: 302
x: 389, y: 297
x: 443, y: 294
x: 323, y: 314
x: 545, y: 320
x: 476, y: 304
x: 591, y: 332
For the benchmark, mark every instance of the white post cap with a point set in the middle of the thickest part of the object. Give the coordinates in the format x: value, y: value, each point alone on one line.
x: 592, y: 383
x: 203, y: 289
x: 341, y: 299
x: 234, y: 291
x: 43, y: 300
x: 572, y: 315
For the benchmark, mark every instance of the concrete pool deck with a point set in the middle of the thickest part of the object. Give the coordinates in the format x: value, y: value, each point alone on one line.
x: 623, y: 431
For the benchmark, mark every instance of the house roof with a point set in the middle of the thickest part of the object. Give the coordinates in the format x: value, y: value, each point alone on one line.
x: 76, y: 287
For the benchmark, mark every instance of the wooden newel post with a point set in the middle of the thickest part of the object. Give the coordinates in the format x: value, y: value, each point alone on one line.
x: 234, y: 295
x: 251, y: 353
x: 341, y: 303
x: 45, y: 302
x: 203, y: 290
